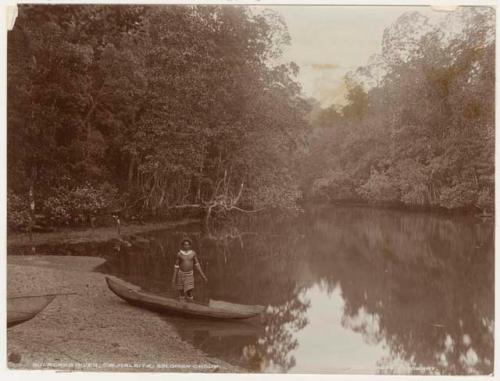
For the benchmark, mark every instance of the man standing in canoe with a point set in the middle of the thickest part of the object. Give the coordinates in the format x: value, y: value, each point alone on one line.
x: 183, y: 270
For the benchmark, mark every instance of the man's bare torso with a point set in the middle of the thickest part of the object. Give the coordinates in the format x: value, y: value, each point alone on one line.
x: 186, y: 260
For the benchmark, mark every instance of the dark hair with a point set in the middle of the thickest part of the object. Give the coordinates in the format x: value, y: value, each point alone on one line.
x: 186, y: 240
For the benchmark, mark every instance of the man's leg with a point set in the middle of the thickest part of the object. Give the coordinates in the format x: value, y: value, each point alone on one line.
x: 189, y: 285
x: 180, y: 286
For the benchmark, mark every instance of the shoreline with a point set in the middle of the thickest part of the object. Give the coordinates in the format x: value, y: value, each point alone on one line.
x: 92, y: 330
x: 101, y: 234
x: 399, y: 207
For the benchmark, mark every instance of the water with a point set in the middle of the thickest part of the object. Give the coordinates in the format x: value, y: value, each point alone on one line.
x: 347, y: 290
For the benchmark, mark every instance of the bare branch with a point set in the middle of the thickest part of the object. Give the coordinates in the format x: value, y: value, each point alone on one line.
x: 239, y: 194
x: 248, y: 211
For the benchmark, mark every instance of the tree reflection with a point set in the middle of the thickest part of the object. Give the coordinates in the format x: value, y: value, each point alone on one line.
x: 272, y: 351
x: 416, y: 282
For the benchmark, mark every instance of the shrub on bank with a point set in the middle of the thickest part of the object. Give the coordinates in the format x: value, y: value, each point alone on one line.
x: 76, y: 206
x: 18, y: 215
x: 379, y: 188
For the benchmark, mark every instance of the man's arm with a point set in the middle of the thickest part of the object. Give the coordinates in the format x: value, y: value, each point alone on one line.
x: 198, y: 267
x: 176, y: 268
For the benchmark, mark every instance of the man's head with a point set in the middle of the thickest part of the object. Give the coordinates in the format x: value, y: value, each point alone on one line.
x: 186, y: 244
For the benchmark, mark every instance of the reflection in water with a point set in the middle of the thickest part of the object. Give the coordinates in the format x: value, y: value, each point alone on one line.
x: 348, y: 290
x: 221, y: 338
x: 273, y: 350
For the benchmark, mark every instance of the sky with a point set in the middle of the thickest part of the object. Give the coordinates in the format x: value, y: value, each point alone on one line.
x: 329, y: 41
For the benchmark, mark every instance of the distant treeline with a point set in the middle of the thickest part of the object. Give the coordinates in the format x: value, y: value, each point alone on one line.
x: 418, y: 128
x: 156, y: 109
x: 152, y: 109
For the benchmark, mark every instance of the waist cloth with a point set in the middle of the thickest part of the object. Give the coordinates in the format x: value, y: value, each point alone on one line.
x: 185, y: 280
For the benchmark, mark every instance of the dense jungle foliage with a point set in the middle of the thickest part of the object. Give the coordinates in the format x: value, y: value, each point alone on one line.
x: 153, y: 109
x: 418, y: 128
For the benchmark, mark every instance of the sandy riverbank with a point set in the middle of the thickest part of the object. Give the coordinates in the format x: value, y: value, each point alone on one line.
x: 92, y: 330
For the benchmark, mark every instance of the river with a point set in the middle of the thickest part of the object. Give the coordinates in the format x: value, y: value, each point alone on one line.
x: 347, y: 289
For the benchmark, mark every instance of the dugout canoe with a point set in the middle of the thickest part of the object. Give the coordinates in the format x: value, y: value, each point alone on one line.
x: 215, y: 309
x: 24, y: 308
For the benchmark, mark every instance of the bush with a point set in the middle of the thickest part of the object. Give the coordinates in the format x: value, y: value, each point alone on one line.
x: 486, y: 200
x: 460, y: 195
x: 335, y: 185
x: 73, y: 207
x: 414, y: 179
x: 379, y: 188
x: 18, y: 214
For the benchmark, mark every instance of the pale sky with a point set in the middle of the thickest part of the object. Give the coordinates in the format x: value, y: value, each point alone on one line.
x: 329, y: 41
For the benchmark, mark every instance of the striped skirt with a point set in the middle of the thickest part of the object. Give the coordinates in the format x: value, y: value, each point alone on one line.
x: 185, y: 280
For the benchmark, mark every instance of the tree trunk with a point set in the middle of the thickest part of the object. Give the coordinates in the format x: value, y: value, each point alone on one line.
x: 32, y: 204
x: 131, y: 167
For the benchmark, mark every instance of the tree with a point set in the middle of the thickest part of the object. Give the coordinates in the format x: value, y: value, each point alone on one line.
x: 418, y: 125
x: 161, y: 103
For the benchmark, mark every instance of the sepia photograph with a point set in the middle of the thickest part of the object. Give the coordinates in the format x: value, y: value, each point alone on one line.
x: 238, y: 188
